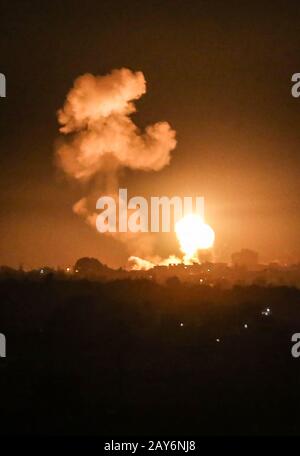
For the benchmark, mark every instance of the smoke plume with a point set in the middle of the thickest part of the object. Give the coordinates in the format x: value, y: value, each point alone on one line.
x: 99, y: 139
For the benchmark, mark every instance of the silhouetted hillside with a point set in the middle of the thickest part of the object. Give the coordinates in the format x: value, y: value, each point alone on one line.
x: 136, y: 357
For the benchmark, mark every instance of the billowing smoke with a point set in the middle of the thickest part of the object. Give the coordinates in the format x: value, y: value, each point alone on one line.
x: 100, y: 139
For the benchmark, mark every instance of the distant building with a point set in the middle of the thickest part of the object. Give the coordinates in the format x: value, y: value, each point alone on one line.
x: 245, y: 258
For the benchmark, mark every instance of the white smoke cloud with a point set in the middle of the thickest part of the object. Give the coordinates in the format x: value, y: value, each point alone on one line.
x: 97, y: 114
x: 100, y: 139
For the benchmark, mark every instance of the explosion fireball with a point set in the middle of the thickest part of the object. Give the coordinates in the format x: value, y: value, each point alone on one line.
x: 193, y: 234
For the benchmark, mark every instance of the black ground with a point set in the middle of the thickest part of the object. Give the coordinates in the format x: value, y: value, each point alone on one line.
x: 113, y: 358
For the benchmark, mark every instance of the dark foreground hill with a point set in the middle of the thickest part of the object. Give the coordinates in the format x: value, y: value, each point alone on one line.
x: 134, y: 357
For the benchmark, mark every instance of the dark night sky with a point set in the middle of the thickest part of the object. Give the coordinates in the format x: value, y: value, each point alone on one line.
x: 218, y: 72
